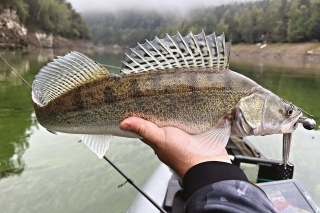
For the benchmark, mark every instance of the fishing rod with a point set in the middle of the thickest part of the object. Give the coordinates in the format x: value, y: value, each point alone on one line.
x: 134, y: 185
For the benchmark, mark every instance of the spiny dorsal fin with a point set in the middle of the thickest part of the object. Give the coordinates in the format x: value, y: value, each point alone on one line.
x: 228, y: 53
x: 176, y: 51
x: 64, y: 74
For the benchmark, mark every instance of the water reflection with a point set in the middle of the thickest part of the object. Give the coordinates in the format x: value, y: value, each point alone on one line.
x: 21, y: 63
x: 15, y: 111
x: 45, y: 55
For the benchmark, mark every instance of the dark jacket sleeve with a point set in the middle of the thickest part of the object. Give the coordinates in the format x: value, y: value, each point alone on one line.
x: 222, y: 187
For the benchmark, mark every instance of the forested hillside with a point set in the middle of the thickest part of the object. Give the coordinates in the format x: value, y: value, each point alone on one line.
x: 265, y: 20
x: 127, y: 27
x: 56, y: 16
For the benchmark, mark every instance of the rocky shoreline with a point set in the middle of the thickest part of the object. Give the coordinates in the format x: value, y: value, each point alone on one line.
x: 14, y: 35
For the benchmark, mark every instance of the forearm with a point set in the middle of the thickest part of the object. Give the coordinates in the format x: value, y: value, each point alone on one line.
x: 222, y: 187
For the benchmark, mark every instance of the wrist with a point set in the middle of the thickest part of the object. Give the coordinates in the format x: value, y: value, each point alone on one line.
x: 198, y: 159
x: 210, y: 172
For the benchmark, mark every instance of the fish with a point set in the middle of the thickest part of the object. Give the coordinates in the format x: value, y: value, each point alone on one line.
x: 183, y: 82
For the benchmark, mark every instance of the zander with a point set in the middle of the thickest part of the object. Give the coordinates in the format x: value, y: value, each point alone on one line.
x: 176, y: 81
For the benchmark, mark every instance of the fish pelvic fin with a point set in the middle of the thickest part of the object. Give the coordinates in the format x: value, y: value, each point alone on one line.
x: 214, y: 141
x: 97, y: 143
x: 64, y: 74
x: 191, y: 51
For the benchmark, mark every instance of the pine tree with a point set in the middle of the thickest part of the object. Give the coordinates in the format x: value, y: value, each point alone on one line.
x: 314, y: 21
x: 298, y: 22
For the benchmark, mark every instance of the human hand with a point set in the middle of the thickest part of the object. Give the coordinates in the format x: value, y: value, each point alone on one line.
x: 173, y: 146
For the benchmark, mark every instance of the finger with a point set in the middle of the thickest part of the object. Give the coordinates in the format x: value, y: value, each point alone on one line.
x: 150, y: 132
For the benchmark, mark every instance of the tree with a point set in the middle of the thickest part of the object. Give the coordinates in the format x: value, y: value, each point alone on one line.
x: 313, y: 31
x: 277, y: 22
x: 298, y: 22
x: 251, y: 25
x: 258, y: 20
x: 20, y: 5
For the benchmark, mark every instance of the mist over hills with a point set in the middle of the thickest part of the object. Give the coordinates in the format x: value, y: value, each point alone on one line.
x: 246, y: 21
x: 127, y: 22
x: 163, y: 6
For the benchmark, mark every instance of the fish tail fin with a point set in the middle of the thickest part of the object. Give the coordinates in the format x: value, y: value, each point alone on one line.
x: 64, y: 74
x: 176, y: 51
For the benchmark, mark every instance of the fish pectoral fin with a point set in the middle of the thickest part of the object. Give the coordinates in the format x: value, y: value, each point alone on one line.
x: 212, y: 142
x: 97, y: 143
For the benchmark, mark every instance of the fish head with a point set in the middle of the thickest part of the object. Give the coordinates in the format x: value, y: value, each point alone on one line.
x: 279, y: 116
x: 264, y: 113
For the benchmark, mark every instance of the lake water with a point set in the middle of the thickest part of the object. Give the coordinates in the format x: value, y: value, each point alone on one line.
x: 42, y: 172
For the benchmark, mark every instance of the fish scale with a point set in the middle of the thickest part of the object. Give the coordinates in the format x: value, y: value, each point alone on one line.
x: 177, y: 81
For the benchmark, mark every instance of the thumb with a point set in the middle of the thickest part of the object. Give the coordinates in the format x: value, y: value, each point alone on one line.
x: 150, y: 132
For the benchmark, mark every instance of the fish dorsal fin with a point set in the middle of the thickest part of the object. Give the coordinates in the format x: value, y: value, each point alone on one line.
x: 191, y: 51
x: 228, y: 53
x: 63, y: 75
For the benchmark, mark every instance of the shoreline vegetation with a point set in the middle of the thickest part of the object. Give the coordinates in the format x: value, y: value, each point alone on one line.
x: 284, y: 29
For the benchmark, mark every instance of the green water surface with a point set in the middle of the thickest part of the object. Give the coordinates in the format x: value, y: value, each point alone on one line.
x: 42, y: 172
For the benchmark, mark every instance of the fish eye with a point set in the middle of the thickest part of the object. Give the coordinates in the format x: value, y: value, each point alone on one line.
x: 289, y: 110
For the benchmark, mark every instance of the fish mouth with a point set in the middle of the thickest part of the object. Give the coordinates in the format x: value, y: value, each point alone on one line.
x: 291, y: 125
x: 297, y: 119
x: 301, y: 119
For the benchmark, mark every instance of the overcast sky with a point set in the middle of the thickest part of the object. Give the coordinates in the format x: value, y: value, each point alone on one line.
x: 179, y: 6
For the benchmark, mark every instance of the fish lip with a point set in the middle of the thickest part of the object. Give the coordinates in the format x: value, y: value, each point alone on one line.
x: 294, y: 126
x: 300, y: 116
x: 301, y: 119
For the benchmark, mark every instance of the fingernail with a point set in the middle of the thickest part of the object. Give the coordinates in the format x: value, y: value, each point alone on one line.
x: 126, y: 127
